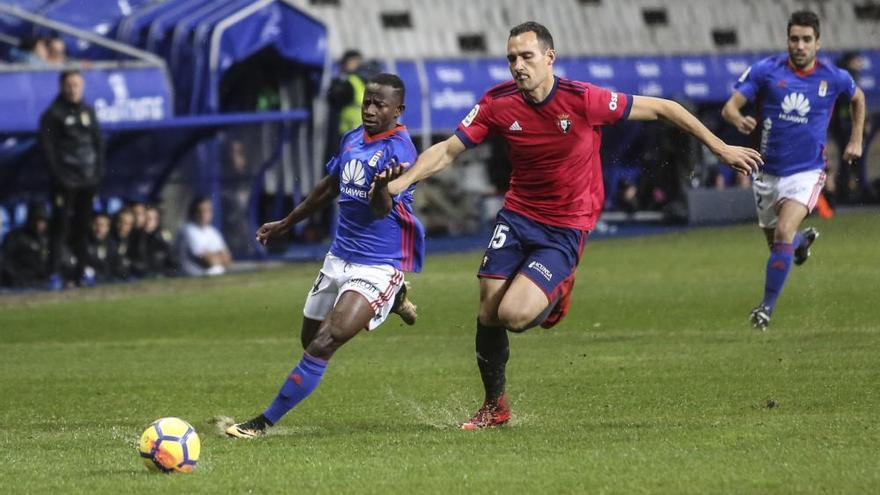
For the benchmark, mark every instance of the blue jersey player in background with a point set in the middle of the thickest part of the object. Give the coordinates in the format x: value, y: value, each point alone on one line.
x: 795, y: 95
x: 376, y: 240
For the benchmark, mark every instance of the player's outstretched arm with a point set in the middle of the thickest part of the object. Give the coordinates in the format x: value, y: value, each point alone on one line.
x: 321, y: 196
x: 732, y: 113
x: 432, y: 160
x: 743, y: 160
x: 853, y: 150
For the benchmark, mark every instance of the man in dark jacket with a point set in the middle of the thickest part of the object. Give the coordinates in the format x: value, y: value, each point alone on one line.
x: 73, y: 151
x: 26, y: 251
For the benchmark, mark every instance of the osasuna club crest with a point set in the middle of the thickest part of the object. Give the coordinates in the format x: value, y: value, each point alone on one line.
x: 564, y: 123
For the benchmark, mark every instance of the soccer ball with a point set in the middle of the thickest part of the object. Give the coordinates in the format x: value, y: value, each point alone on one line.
x: 170, y: 445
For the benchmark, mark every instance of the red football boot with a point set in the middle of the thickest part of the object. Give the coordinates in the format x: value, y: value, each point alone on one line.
x: 493, y: 413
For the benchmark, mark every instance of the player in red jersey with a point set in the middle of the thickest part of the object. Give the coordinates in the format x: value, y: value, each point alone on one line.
x: 553, y: 130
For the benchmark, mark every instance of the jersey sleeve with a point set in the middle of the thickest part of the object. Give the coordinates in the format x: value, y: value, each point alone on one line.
x: 332, y: 167
x: 846, y: 85
x: 606, y: 107
x: 752, y: 80
x: 474, y: 128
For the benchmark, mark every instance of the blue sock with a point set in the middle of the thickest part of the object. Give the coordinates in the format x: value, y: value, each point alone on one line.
x: 798, y: 239
x: 300, y: 383
x: 778, y: 266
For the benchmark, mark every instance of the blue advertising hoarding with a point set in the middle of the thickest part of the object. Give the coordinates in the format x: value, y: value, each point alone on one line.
x: 118, y: 95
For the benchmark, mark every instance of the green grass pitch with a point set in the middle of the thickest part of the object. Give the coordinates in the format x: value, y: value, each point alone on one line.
x: 655, y: 383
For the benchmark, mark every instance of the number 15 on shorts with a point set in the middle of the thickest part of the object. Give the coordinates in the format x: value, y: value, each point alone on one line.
x: 499, y: 237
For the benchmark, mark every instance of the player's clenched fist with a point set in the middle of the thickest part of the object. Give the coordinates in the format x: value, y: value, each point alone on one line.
x: 270, y: 229
x: 746, y: 125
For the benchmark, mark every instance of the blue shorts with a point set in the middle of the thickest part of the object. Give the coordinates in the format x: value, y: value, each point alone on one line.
x: 547, y: 255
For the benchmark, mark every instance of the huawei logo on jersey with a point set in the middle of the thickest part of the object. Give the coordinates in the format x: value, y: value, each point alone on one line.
x: 564, y: 123
x: 795, y: 102
x: 353, y: 173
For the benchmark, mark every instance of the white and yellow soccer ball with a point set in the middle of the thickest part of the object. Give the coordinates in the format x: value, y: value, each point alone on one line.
x: 170, y: 445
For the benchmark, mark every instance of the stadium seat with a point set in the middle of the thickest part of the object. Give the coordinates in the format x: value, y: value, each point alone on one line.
x: 608, y: 28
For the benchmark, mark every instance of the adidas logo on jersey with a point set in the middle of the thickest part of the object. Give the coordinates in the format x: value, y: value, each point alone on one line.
x: 515, y: 127
x: 797, y: 103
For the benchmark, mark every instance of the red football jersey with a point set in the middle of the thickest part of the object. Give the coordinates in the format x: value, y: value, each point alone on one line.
x: 553, y: 147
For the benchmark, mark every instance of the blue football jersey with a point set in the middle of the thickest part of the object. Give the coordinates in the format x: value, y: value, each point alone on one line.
x: 398, y: 239
x: 794, y: 109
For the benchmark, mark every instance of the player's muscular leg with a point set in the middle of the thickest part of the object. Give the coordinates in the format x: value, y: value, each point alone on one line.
x: 521, y: 305
x: 351, y: 314
x: 491, y: 292
x: 309, y: 330
x: 791, y: 214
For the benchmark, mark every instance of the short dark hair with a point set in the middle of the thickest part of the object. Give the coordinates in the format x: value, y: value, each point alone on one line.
x: 806, y: 18
x: 194, y: 206
x: 67, y: 73
x: 391, y: 80
x: 37, y: 210
x: 541, y: 31
x: 349, y: 54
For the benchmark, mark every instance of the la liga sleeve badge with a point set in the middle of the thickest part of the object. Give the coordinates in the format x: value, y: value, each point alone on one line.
x: 471, y: 115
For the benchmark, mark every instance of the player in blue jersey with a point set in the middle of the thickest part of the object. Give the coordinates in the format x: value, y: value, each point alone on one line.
x: 795, y: 95
x: 376, y: 240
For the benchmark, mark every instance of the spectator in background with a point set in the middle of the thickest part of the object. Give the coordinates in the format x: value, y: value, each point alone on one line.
x: 151, y: 252
x: 31, y: 51
x: 627, y: 198
x: 99, y: 262
x: 123, y: 241
x: 849, y: 183
x: 56, y: 50
x: 345, y: 95
x: 235, y: 199
x: 715, y: 179
x: 201, y: 248
x: 73, y: 152
x: 139, y: 212
x: 26, y: 251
